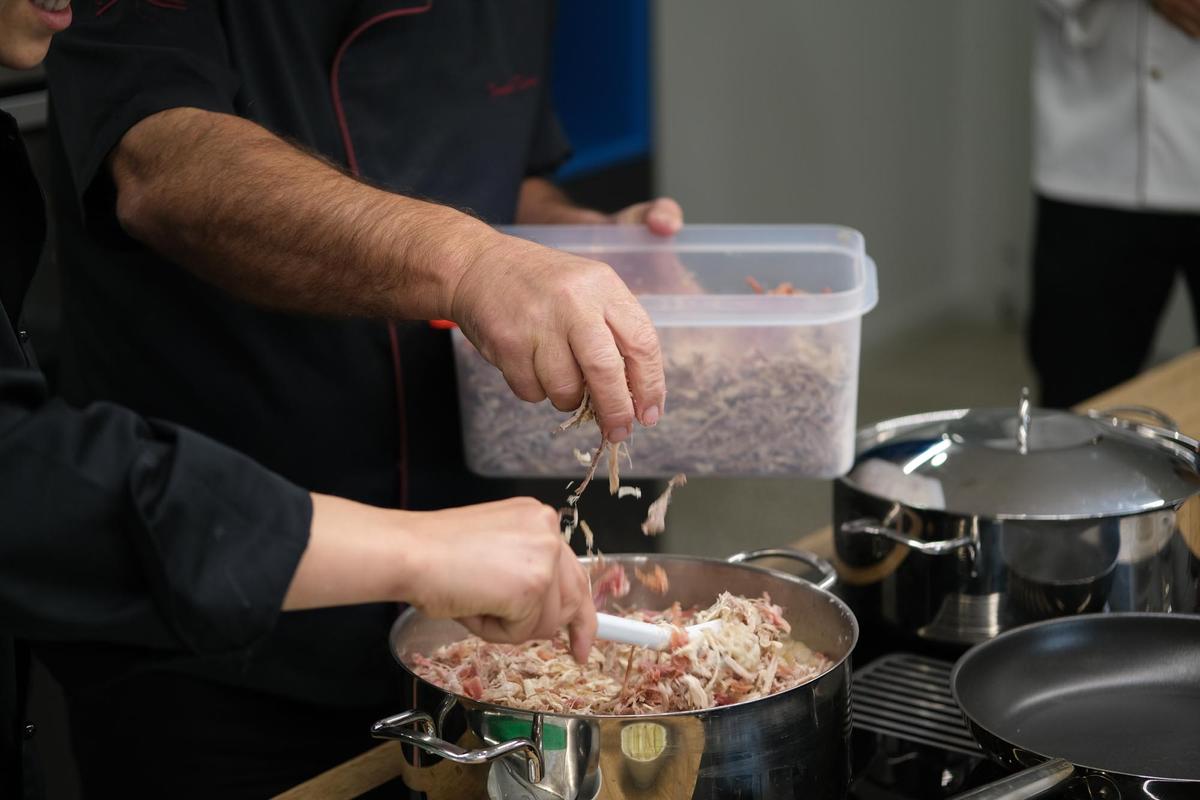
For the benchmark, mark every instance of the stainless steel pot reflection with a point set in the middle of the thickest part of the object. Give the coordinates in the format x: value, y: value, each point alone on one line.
x: 961, y: 578
x: 1055, y: 576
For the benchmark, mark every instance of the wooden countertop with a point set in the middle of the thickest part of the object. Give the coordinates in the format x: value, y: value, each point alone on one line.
x: 1172, y: 388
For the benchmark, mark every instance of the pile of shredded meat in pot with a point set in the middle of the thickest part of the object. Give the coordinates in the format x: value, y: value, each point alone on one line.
x: 751, y: 656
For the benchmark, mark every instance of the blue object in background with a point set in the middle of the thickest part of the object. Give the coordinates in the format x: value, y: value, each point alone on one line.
x: 601, y: 82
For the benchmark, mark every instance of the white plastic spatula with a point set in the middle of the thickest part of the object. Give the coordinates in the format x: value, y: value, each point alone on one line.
x: 645, y: 634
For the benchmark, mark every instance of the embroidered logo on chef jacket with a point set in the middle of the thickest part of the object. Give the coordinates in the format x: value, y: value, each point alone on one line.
x: 517, y: 83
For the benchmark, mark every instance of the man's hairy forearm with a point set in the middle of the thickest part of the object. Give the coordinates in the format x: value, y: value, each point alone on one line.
x: 278, y: 227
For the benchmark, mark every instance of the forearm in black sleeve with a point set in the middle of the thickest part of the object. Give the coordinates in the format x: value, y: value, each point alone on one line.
x: 114, y: 528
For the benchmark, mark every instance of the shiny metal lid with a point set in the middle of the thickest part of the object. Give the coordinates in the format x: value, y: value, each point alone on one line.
x: 1025, y: 463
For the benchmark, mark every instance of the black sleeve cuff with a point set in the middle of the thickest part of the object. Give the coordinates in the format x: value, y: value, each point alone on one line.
x: 221, y: 539
x: 107, y: 73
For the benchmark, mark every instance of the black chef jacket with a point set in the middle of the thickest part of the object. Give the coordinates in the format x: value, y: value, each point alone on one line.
x: 445, y: 100
x: 139, y: 538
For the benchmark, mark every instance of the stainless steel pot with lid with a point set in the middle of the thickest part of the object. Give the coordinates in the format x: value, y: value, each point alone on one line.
x: 956, y: 525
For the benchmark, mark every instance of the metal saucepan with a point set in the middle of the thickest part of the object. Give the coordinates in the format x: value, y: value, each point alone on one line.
x: 789, y: 745
x: 954, y: 526
x: 1103, y: 705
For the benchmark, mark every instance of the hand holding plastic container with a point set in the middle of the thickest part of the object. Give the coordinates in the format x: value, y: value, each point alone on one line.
x: 757, y: 384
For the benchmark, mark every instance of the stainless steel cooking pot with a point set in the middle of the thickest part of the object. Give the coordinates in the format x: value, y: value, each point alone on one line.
x: 789, y: 745
x: 956, y: 525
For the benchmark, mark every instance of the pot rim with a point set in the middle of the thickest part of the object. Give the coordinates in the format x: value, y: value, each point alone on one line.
x: 834, y: 600
x: 1004, y: 516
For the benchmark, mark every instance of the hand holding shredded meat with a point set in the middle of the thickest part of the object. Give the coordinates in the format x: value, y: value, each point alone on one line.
x: 750, y: 657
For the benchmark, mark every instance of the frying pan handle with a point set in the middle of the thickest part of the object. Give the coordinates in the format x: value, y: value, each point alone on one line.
x: 936, y: 547
x: 828, y: 573
x: 1026, y: 784
x: 398, y: 727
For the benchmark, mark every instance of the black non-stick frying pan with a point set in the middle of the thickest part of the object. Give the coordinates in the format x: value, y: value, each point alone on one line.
x: 1107, y: 705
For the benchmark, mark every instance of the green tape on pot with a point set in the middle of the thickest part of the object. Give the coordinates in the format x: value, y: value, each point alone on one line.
x: 503, y: 729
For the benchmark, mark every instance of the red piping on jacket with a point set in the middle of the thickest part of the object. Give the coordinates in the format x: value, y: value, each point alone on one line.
x: 352, y: 162
x: 174, y: 5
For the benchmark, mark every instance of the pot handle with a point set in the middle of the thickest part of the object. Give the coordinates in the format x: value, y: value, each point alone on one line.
x: 1124, y: 412
x: 828, y: 573
x: 1169, y: 432
x: 398, y: 727
x: 1024, y: 785
x: 936, y: 547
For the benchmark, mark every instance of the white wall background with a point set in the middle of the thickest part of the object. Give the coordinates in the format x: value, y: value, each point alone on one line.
x: 908, y: 120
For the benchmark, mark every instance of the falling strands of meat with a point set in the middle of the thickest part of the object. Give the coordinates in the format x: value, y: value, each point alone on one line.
x: 656, y: 514
x: 589, y: 538
x: 609, y: 581
x: 585, y: 413
x: 654, y: 579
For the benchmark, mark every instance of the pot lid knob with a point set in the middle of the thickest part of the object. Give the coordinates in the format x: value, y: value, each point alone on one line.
x: 1023, y: 420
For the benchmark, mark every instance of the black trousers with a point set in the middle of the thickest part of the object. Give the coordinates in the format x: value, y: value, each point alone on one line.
x: 1101, y: 278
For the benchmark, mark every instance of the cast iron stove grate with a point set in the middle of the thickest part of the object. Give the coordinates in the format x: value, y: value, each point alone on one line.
x: 908, y: 697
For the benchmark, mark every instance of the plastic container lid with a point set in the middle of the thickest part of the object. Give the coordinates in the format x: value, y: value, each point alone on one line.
x: 838, y: 281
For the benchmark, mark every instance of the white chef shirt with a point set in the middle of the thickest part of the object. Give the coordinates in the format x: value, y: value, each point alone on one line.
x: 1117, y: 106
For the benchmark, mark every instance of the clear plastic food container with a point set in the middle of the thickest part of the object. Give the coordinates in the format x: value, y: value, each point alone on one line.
x: 757, y: 383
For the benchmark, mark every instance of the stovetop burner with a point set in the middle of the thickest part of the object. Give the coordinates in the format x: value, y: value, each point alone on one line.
x: 908, y: 697
x: 895, y: 769
x: 910, y: 741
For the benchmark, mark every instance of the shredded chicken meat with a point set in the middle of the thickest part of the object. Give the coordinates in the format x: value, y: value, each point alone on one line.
x: 786, y: 287
x: 751, y: 656
x: 656, y: 515
x: 609, y: 581
x: 654, y: 579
